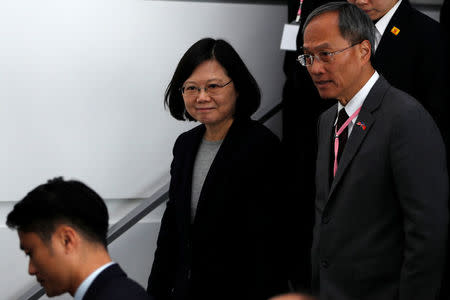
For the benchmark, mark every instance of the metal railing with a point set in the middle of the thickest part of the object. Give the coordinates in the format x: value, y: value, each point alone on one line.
x: 146, y: 206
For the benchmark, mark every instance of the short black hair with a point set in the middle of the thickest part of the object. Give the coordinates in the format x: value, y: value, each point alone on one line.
x: 61, y: 202
x: 249, y: 95
x: 354, y: 24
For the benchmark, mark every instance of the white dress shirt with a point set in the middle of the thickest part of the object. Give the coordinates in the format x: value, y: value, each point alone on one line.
x: 357, y: 101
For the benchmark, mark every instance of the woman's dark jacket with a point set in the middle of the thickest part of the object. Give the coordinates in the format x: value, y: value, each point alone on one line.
x: 232, y: 250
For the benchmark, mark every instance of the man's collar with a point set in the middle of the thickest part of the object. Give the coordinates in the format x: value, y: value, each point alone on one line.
x: 358, y: 100
x: 384, y: 21
x: 84, y: 286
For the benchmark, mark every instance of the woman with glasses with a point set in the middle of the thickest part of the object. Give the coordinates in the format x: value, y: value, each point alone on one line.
x: 218, y: 235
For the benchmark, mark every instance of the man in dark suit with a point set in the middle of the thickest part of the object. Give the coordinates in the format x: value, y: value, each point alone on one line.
x: 381, y: 179
x: 410, y: 52
x: 406, y: 39
x: 62, y: 227
x: 301, y: 108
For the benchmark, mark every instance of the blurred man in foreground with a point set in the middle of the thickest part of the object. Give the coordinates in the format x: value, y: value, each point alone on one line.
x: 62, y: 227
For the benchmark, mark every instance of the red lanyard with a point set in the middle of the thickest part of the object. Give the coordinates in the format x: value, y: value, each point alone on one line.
x: 336, y: 138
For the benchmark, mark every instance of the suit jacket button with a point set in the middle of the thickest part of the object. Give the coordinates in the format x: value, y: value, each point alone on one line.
x: 325, y: 220
x: 325, y: 264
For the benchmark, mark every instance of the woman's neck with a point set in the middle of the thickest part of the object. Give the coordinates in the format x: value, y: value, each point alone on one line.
x: 217, y: 132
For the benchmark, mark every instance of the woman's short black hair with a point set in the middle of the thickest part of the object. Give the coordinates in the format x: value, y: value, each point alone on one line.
x: 249, y: 95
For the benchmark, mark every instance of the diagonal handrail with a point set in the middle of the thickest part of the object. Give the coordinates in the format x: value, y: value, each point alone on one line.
x: 138, y: 213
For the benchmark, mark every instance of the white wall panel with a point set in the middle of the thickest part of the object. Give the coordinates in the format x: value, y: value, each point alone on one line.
x: 82, y: 84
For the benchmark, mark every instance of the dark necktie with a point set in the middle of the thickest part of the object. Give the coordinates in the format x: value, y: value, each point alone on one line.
x: 342, y: 117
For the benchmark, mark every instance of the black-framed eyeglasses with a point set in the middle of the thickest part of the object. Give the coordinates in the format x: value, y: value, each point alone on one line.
x: 326, y: 57
x: 191, y: 90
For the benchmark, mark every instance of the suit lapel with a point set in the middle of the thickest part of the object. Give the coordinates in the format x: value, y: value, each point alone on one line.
x: 218, y: 169
x: 323, y: 161
x: 371, y: 103
x: 390, y: 40
x: 329, y: 123
x: 190, y: 152
x: 354, y: 142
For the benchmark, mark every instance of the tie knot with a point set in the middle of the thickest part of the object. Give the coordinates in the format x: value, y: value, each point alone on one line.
x: 342, y: 117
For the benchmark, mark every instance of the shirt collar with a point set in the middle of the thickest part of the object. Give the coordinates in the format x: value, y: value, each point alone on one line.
x: 84, y: 286
x: 358, y: 100
x: 384, y: 21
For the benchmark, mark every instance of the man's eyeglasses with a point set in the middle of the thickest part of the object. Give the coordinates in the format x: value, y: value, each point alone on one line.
x: 213, y: 89
x: 326, y: 57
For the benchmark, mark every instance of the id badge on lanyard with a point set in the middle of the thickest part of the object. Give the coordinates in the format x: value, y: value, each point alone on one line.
x: 290, y: 32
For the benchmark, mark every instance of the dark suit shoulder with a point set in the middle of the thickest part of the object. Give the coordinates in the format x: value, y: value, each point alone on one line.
x: 421, y: 19
x: 401, y: 102
x: 249, y: 136
x: 329, y: 113
x: 122, y: 288
x: 415, y: 24
x: 199, y: 129
x: 256, y: 130
x: 250, y: 129
x: 406, y: 113
x: 113, y: 284
x: 190, y: 136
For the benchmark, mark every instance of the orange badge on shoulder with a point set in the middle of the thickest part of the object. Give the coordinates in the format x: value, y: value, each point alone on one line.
x: 395, y: 30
